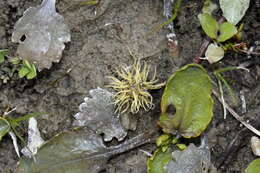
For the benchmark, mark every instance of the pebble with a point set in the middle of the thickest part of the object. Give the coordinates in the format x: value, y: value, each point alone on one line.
x: 255, y: 145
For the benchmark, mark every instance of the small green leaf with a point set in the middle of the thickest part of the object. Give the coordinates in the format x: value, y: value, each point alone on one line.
x: 2, y: 55
x: 27, y: 64
x: 227, y: 30
x: 23, y: 72
x: 157, y: 163
x: 234, y: 10
x: 33, y: 72
x: 189, y: 91
x: 4, y: 127
x: 15, y: 60
x: 209, y: 25
x: 181, y: 146
x: 162, y: 139
x: 253, y: 167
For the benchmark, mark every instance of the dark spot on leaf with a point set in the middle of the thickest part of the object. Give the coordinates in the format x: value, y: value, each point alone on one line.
x: 171, y: 109
x: 23, y: 38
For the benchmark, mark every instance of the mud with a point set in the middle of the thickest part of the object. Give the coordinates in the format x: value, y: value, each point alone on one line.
x: 100, y: 43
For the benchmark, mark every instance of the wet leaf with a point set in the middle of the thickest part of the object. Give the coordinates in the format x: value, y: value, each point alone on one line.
x: 214, y: 53
x: 4, y: 127
x: 79, y: 150
x: 41, y: 34
x: 157, y: 163
x: 98, y: 113
x: 75, y: 151
x: 209, y: 25
x: 189, y: 91
x: 234, y: 10
x: 253, y: 167
x: 227, y: 30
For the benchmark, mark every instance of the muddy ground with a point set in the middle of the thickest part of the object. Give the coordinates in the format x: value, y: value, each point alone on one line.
x: 100, y: 44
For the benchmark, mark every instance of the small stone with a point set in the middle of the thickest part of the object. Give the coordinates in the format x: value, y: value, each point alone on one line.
x: 255, y: 145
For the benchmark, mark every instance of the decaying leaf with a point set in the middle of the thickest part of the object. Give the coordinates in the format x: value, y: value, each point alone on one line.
x: 41, y: 34
x: 34, y: 139
x: 234, y: 10
x: 98, y: 113
x: 189, y: 91
x: 80, y: 150
x: 214, y: 53
x: 191, y: 160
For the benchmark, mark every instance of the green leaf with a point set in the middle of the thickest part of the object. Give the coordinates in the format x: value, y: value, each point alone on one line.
x: 2, y: 55
x: 253, y: 167
x: 162, y: 139
x: 189, y: 91
x: 23, y: 72
x: 15, y: 60
x: 33, y: 72
x: 27, y: 64
x: 227, y: 30
x: 209, y: 25
x: 234, y: 10
x: 4, y: 127
x: 157, y: 163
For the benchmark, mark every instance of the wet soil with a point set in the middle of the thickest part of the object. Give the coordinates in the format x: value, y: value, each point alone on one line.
x: 100, y: 43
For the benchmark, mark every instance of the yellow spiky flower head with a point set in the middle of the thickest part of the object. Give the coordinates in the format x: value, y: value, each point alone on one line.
x: 131, y: 85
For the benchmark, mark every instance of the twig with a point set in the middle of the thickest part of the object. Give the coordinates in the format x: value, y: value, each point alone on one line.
x: 233, y: 112
x: 203, y: 48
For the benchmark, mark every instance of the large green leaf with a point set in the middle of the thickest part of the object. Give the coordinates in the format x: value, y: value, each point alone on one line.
x: 189, y: 91
x: 227, y: 30
x: 157, y: 163
x: 209, y: 25
x: 253, y: 167
x: 234, y: 10
x: 4, y: 127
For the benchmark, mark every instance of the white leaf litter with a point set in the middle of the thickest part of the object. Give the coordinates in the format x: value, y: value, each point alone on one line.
x: 11, y: 133
x: 98, y: 113
x: 41, y: 34
x: 234, y: 10
x: 34, y: 139
x: 214, y: 53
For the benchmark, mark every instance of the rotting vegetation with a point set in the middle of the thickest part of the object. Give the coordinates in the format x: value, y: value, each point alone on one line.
x: 189, y: 90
